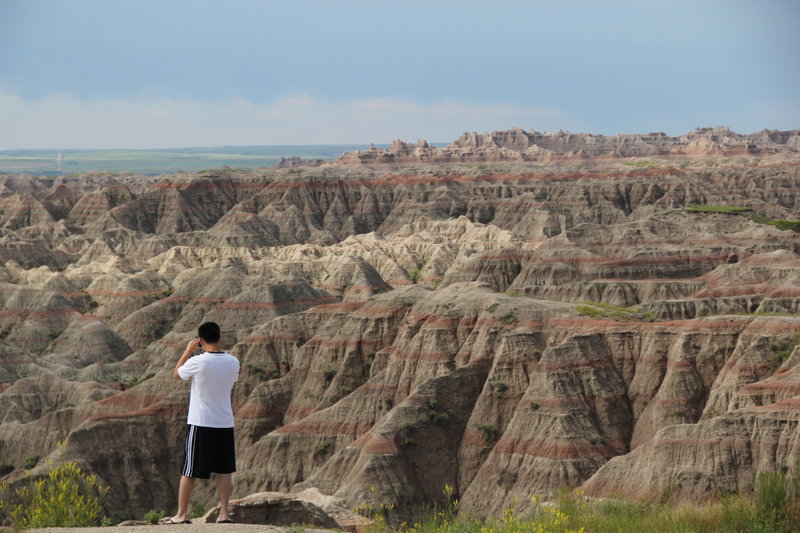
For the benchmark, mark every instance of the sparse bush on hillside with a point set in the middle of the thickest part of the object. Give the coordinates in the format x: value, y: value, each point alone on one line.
x: 498, y: 387
x: 782, y: 350
x: 405, y: 433
x: 65, y: 497
x: 490, y: 433
x: 508, y: 318
x: 328, y: 373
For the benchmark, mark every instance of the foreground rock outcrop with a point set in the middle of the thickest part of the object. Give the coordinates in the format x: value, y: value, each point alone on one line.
x: 558, y: 317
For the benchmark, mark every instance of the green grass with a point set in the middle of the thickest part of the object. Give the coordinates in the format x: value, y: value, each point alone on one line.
x: 600, y: 310
x: 780, y: 223
x: 774, y: 507
x: 642, y: 163
x: 728, y: 209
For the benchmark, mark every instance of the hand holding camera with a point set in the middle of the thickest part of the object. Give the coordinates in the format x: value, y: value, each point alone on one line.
x: 194, y: 345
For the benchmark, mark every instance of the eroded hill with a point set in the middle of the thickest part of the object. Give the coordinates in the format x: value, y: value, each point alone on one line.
x: 501, y: 324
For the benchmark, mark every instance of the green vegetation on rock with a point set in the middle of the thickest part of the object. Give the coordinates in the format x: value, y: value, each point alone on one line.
x: 727, y: 209
x: 774, y: 507
x: 601, y: 310
x: 152, y: 516
x: 31, y: 462
x: 65, y: 497
x: 781, y: 350
x: 642, y: 163
x: 780, y: 223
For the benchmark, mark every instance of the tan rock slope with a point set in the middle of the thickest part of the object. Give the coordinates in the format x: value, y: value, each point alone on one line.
x: 406, y: 319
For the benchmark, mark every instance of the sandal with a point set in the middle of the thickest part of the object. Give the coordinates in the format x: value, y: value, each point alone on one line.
x: 169, y: 521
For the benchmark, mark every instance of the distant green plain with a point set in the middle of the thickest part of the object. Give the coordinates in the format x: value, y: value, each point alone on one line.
x: 154, y: 162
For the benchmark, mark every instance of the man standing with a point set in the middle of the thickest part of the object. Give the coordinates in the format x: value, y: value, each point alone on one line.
x: 209, y: 439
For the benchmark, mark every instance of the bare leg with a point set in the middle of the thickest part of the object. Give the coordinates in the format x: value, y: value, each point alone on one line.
x: 184, y: 493
x: 224, y: 486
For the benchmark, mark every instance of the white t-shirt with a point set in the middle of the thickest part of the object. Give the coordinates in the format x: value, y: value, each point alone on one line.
x: 213, y: 375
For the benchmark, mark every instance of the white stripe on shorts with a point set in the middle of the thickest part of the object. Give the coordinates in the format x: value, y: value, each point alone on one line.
x: 188, y: 463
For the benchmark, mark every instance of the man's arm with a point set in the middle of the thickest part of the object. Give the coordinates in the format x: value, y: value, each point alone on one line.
x: 187, y: 353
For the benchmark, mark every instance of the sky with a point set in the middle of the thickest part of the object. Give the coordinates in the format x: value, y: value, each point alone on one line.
x: 176, y: 73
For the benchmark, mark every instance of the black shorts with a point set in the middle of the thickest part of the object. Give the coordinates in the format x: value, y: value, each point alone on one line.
x: 208, y: 450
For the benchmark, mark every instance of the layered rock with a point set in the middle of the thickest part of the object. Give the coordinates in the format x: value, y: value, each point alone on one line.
x: 502, y: 330
x: 517, y: 144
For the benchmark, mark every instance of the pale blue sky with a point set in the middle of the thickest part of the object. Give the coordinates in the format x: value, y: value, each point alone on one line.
x: 139, y: 74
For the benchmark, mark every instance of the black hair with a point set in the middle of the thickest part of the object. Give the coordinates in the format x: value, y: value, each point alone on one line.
x: 209, y: 332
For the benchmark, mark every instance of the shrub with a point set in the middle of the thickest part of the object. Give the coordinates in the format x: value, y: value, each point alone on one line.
x: 771, y: 497
x: 6, y: 468
x: 197, y: 510
x: 435, y: 415
x: 328, y: 373
x: 405, y: 433
x: 31, y: 462
x: 260, y: 372
x: 782, y: 350
x: 456, y: 212
x: 154, y: 516
x: 323, y: 448
x: 499, y: 387
x: 508, y: 318
x: 65, y: 497
x: 490, y: 432
x: 91, y: 303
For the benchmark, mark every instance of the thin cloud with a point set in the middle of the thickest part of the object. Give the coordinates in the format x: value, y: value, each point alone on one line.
x: 62, y: 121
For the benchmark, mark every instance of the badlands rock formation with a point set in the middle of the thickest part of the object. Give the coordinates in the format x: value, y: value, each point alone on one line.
x: 407, y: 319
x: 520, y: 145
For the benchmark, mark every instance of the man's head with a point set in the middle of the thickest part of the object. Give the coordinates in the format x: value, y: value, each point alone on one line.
x: 209, y: 332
